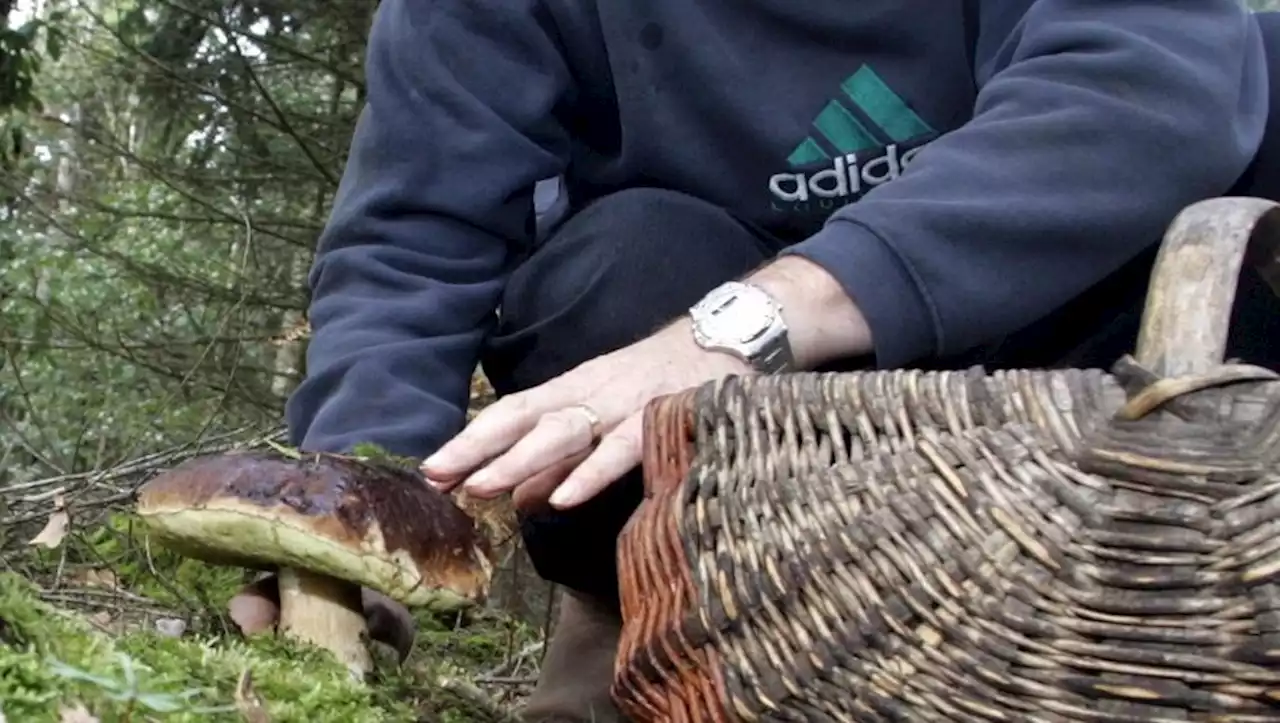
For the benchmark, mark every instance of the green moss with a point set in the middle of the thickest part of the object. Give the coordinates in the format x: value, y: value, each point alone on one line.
x: 376, y: 454
x: 50, y: 657
x: 474, y: 641
x: 365, y: 451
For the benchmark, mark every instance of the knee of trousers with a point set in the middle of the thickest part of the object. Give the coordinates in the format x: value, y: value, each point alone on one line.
x: 577, y: 548
x: 610, y: 274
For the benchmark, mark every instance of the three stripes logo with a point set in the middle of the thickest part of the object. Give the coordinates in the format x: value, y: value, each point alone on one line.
x: 869, y: 117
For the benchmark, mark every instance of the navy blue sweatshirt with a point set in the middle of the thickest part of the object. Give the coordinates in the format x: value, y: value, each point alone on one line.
x: 1262, y: 178
x: 962, y: 167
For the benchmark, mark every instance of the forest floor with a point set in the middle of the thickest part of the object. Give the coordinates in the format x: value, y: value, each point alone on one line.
x: 99, y: 626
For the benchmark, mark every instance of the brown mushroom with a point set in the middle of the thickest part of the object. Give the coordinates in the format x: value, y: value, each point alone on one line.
x: 328, y: 524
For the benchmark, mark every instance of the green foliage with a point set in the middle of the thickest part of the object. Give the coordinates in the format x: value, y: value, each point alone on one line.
x: 119, y: 544
x: 153, y: 571
x: 127, y: 691
x: 160, y: 218
x: 22, y: 51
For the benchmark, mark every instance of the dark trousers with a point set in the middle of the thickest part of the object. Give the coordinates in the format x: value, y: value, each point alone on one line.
x: 621, y: 267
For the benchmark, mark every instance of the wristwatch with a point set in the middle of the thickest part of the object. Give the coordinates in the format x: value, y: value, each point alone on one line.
x: 743, y: 320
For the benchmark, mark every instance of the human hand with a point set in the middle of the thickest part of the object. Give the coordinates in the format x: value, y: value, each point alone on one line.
x: 544, y: 440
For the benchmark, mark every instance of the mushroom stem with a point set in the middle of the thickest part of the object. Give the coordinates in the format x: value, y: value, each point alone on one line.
x: 326, y: 612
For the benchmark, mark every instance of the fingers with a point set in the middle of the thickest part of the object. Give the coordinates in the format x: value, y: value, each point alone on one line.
x: 618, y: 453
x: 494, y: 430
x: 533, y: 494
x: 557, y: 435
x: 534, y: 438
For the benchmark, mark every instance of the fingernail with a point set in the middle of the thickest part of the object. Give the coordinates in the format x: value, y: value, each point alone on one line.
x: 564, y: 496
x: 478, y: 482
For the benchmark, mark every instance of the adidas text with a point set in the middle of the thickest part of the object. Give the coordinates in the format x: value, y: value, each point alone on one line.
x: 844, y: 179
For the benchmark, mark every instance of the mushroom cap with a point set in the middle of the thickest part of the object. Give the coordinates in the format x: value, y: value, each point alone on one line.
x: 372, y: 524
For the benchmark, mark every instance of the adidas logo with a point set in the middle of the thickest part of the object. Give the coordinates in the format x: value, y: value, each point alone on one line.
x: 869, y: 117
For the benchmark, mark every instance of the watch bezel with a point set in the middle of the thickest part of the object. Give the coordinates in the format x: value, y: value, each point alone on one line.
x: 747, y: 347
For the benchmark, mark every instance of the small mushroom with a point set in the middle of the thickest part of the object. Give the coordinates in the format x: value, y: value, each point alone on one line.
x: 255, y: 609
x: 327, y: 525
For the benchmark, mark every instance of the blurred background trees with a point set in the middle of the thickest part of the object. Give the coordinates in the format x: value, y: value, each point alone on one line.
x: 165, y: 168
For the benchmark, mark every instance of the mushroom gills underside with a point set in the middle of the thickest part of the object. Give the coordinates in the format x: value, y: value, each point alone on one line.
x: 249, y: 538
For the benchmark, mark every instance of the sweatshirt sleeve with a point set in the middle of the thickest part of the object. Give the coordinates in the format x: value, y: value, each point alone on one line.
x: 1096, y: 122
x: 435, y: 204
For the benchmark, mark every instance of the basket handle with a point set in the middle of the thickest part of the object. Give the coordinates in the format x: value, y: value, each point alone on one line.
x: 1193, y: 285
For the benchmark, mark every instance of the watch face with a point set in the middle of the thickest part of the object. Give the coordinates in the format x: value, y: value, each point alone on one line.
x: 736, y: 317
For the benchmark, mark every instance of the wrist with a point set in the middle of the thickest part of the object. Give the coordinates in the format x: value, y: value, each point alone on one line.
x: 682, y: 328
x: 823, y: 322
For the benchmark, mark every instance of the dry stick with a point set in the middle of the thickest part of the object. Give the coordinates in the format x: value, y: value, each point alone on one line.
x: 513, y: 663
x: 131, y: 474
x: 473, y: 695
x: 512, y: 681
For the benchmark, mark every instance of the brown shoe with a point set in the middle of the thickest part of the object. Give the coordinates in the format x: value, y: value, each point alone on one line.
x: 577, y: 669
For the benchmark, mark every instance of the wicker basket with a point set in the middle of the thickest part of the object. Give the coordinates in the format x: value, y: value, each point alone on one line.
x: 1069, y: 545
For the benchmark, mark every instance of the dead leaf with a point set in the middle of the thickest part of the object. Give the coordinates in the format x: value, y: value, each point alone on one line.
x: 496, y: 517
x: 170, y: 627
x: 482, y: 395
x: 97, y: 578
x: 297, y: 332
x: 102, y: 620
x: 77, y: 714
x: 56, y: 528
x: 251, y: 707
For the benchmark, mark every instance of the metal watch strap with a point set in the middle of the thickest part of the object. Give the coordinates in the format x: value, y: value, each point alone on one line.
x: 775, y: 356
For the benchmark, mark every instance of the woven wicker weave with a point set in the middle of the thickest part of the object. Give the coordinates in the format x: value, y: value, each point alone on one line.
x: 1065, y: 545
